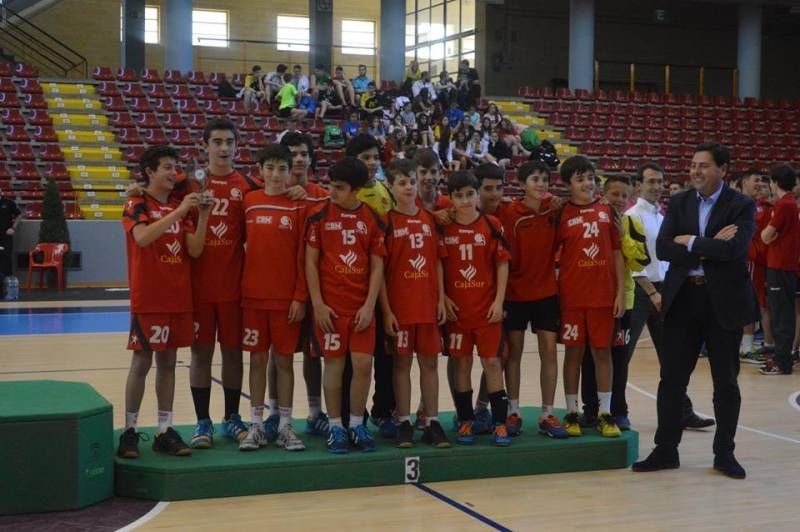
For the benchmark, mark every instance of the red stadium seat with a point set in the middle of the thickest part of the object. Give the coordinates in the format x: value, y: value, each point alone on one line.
x: 131, y: 90
x: 9, y: 99
x: 242, y: 156
x: 632, y: 150
x: 44, y: 134
x: 672, y: 136
x: 180, y: 91
x: 150, y: 75
x: 592, y: 149
x: 215, y: 78
x: 541, y: 106
x: 157, y: 90
x: 12, y: 116
x: 634, y: 135
x: 129, y: 135
x: 133, y: 154
x: 687, y: 99
x: 564, y: 93
x: 22, y: 152
x: 188, y: 106
x: 583, y: 94
x: 189, y: 154
x: 574, y: 133
x: 140, y: 105
x: 34, y: 101
x: 272, y: 124
x: 564, y: 107
x: 26, y: 170
x: 205, y: 93
x: 173, y: 76
x: 213, y: 107
x: 618, y: 121
x: 55, y: 171
x: 115, y: 104
x: 180, y: 137
x: 126, y: 74
x: 4, y: 174
x: 147, y: 120
x: 107, y: 88
x: 196, y: 77
x: 164, y: 105
x: 236, y: 107
x: 616, y: 135
x: 257, y: 139
x: 197, y: 121
x: 7, y: 85
x: 17, y: 133
x: 238, y: 79
x: 245, y: 123
x: 548, y: 94
x: 23, y: 70
x: 102, y: 73
x: 121, y: 120
x: 174, y: 121
x: 155, y: 136
x: 51, y: 152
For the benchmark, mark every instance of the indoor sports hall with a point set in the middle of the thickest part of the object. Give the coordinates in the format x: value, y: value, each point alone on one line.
x: 634, y: 87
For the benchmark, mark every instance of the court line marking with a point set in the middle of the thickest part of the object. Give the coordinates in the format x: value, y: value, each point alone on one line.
x: 794, y: 400
x: 157, y: 509
x: 742, y: 427
x: 458, y: 506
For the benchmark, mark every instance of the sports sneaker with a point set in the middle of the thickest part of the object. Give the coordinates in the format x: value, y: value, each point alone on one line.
x: 420, y: 422
x: 587, y: 420
x: 405, y: 435
x: 483, y: 421
x: 271, y: 427
x: 771, y: 368
x: 234, y: 428
x: 434, y: 436
x: 129, y: 443
x: 623, y: 422
x: 203, y: 437
x: 514, y: 425
x: 456, y: 423
x: 337, y: 441
x: 551, y: 428
x: 766, y: 350
x: 317, y: 426
x: 465, y: 434
x: 572, y: 425
x: 501, y: 437
x: 754, y: 357
x: 170, y: 442
x: 361, y: 437
x: 387, y: 427
x: 607, y: 426
x: 287, y: 439
x: 254, y: 439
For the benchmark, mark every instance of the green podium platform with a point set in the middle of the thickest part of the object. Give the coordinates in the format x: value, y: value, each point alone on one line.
x: 224, y: 471
x: 56, y: 444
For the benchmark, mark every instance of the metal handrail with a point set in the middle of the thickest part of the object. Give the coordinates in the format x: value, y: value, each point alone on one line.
x: 667, y: 77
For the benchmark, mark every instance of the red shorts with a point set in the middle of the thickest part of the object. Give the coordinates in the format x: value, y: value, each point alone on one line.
x: 758, y: 273
x: 218, y: 321
x: 594, y: 326
x: 265, y: 328
x: 488, y: 339
x: 343, y: 339
x: 422, y: 339
x: 159, y: 332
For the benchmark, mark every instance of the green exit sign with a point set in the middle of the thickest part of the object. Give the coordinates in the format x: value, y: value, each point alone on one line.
x: 661, y: 16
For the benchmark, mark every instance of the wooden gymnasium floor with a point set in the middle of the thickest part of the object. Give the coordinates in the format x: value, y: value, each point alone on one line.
x: 693, y: 497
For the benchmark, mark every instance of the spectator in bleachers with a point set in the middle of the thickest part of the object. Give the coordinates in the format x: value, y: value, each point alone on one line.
x: 352, y: 127
x: 400, y: 103
x: 424, y: 82
x: 454, y: 114
x: 469, y: 84
x: 273, y: 82
x: 444, y: 89
x: 440, y: 127
x: 464, y: 125
x: 412, y: 75
x: 478, y: 149
x: 344, y: 87
x: 393, y: 149
x: 422, y: 102
x: 474, y: 116
x: 675, y: 187
x: 425, y: 131
x: 254, y: 90
x: 300, y: 80
x: 444, y: 149
x: 486, y: 127
x: 370, y: 103
x: 493, y: 114
x: 376, y: 130
x: 460, y: 146
x: 288, y: 98
x: 319, y: 80
x: 361, y: 82
x: 397, y: 123
x: 508, y: 132
x: 10, y: 216
x: 499, y: 150
x: 409, y: 118
x: 329, y: 99
x: 413, y: 139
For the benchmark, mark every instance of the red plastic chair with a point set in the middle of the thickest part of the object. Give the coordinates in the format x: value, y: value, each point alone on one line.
x: 44, y: 134
x: 132, y: 90
x: 9, y: 99
x: 51, y: 152
x: 12, y: 117
x: 107, y: 88
x: 127, y: 74
x: 52, y: 256
x: 157, y: 91
x: 150, y: 75
x: 102, y: 73
x: 26, y: 71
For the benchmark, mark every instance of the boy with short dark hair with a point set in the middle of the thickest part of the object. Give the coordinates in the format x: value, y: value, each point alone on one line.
x: 344, y: 270
x: 476, y: 272
x: 160, y: 238
x: 413, y: 302
x: 592, y: 289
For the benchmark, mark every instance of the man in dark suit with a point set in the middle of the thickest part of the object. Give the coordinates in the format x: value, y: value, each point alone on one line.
x: 707, y: 298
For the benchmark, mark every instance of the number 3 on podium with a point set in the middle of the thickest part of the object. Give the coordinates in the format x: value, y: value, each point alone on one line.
x: 413, y: 471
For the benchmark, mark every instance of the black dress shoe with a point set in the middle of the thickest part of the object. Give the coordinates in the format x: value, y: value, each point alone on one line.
x: 696, y: 422
x: 657, y: 461
x: 729, y: 467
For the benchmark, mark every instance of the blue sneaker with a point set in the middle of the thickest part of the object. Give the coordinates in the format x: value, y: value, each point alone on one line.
x: 318, y: 426
x: 387, y: 427
x: 361, y: 438
x: 465, y: 434
x: 483, y: 421
x: 551, y: 428
x: 271, y: 427
x: 500, y: 436
x: 337, y: 441
x: 514, y: 425
x: 234, y: 428
x: 623, y: 423
x: 203, y: 437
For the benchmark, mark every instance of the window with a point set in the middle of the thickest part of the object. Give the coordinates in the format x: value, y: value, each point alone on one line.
x: 209, y: 28
x: 293, y: 33
x: 358, y: 37
x: 150, y: 24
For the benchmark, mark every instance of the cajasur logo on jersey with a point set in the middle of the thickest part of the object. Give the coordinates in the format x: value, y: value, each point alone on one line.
x: 418, y: 263
x: 348, y: 259
x: 174, y: 248
x: 219, y: 231
x: 591, y: 252
x: 469, y: 274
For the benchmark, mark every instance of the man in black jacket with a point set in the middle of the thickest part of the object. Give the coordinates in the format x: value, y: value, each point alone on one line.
x: 707, y: 297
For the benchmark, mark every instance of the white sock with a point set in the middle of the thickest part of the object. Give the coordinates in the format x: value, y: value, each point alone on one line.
x: 547, y: 411
x: 257, y: 414
x: 605, y: 402
x: 164, y: 421
x: 400, y: 419
x: 747, y: 343
x: 429, y: 419
x: 356, y: 420
x: 572, y: 402
x: 131, y: 418
x: 513, y: 406
x: 314, y: 407
x: 286, y: 417
x: 335, y: 422
x: 273, y: 406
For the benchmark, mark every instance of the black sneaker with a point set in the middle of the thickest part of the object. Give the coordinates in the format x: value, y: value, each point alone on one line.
x: 405, y: 435
x: 170, y: 442
x: 434, y: 436
x: 587, y: 420
x: 129, y: 443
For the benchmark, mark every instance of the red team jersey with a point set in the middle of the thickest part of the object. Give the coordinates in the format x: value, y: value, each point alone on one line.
x: 413, y: 248
x: 587, y: 237
x: 442, y: 202
x: 470, y: 267
x: 346, y: 240
x: 784, y: 252
x: 217, y: 273
x: 274, y: 272
x: 531, y: 237
x: 159, y: 274
x: 315, y: 192
x: 757, y: 252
